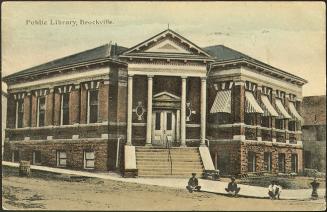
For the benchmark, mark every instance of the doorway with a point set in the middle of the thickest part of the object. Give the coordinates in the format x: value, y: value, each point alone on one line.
x: 163, y: 127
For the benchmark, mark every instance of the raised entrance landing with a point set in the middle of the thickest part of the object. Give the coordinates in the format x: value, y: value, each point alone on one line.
x: 173, y: 162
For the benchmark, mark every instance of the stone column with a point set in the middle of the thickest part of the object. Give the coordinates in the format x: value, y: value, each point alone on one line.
x: 203, y: 109
x: 239, y: 110
x: 183, y: 113
x: 129, y: 109
x: 74, y: 105
x: 27, y: 110
x: 49, y: 108
x: 149, y: 112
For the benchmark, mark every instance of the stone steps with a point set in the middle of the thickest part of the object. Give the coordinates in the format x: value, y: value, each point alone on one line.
x: 155, y: 162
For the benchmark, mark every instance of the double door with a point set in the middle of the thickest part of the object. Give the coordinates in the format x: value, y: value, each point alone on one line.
x: 163, y: 127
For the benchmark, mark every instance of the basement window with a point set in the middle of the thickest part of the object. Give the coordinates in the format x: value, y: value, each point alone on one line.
x: 93, y: 106
x: 89, y: 159
x: 15, y: 156
x: 61, y: 159
x: 41, y: 111
x: 36, y: 157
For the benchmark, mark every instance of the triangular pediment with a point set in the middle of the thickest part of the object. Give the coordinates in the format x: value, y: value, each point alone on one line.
x: 165, y: 96
x: 167, y: 42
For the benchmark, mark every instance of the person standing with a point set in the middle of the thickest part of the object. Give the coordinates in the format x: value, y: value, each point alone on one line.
x: 272, y: 190
x: 315, y: 185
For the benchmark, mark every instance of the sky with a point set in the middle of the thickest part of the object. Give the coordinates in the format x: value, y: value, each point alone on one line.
x: 287, y: 35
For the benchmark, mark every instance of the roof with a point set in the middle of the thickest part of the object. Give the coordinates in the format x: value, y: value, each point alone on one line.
x: 314, y: 110
x: 101, y: 52
x: 222, y: 53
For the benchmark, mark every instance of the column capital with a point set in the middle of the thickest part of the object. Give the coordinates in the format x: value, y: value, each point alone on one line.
x: 130, y: 75
x: 150, y: 76
x: 51, y: 90
x: 184, y: 77
x: 203, y: 78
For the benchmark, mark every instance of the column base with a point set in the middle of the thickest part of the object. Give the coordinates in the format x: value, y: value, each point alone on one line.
x: 183, y: 145
x: 148, y: 144
x: 203, y: 145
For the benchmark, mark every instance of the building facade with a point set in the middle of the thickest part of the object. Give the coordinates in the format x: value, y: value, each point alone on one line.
x: 117, y: 108
x: 314, y: 132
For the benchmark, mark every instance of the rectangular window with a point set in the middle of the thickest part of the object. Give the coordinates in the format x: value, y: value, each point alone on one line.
x: 89, y: 159
x: 265, y: 121
x: 19, y: 113
x: 281, y: 162
x: 36, y: 157
x: 65, y: 108
x: 15, y: 156
x: 61, y: 158
x: 279, y: 124
x: 292, y: 125
x: 158, y: 117
x: 251, y: 162
x: 169, y: 121
x: 41, y: 111
x: 250, y: 119
x: 93, y: 106
x: 267, y: 161
x: 294, y: 163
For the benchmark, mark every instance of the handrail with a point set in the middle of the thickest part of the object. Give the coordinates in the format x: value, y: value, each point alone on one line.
x: 169, y: 155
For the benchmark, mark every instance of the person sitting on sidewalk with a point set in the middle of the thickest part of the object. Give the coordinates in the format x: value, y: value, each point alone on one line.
x: 278, y: 190
x: 193, y: 184
x: 272, y: 190
x: 315, y: 185
x: 232, y: 188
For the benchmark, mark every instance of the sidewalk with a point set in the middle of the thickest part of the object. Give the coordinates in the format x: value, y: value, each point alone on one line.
x: 207, y: 185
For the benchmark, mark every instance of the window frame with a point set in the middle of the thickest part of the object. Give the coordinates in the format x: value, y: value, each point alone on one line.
x: 283, y: 163
x: 38, y: 110
x: 253, y: 162
x: 19, y: 119
x: 60, y: 158
x: 62, y: 108
x: 34, y: 162
x: 268, y: 164
x: 294, y: 164
x: 86, y: 160
x: 89, y: 105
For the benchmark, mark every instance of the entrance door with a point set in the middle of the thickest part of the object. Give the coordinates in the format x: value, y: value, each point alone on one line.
x: 163, y: 127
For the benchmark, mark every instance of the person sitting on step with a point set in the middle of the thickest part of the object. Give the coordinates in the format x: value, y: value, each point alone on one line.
x: 272, y: 190
x: 232, y: 188
x: 193, y: 184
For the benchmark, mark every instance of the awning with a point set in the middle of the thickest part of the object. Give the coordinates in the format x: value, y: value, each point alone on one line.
x: 222, y: 103
x: 282, y: 113
x: 294, y: 112
x: 251, y: 105
x: 268, y: 109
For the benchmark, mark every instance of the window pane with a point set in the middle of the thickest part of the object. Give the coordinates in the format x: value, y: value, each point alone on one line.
x: 20, y: 113
x: 169, y: 121
x: 281, y: 162
x: 93, y: 97
x: 65, y: 117
x: 65, y: 98
x: 62, y: 162
x: 93, y: 113
x: 89, y: 155
x: 158, y: 114
x: 251, y: 162
x: 90, y: 164
x: 41, y: 119
x: 267, y: 161
x: 62, y: 155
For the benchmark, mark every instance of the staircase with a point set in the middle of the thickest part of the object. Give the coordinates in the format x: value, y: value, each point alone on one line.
x: 174, y: 162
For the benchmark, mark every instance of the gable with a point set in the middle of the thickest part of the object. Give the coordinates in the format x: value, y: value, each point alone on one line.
x: 167, y: 42
x: 168, y: 46
x: 165, y: 96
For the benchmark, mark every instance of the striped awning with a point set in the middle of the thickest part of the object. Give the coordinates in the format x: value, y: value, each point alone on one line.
x: 294, y: 112
x: 268, y: 109
x: 282, y: 113
x: 222, y: 103
x: 251, y: 105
